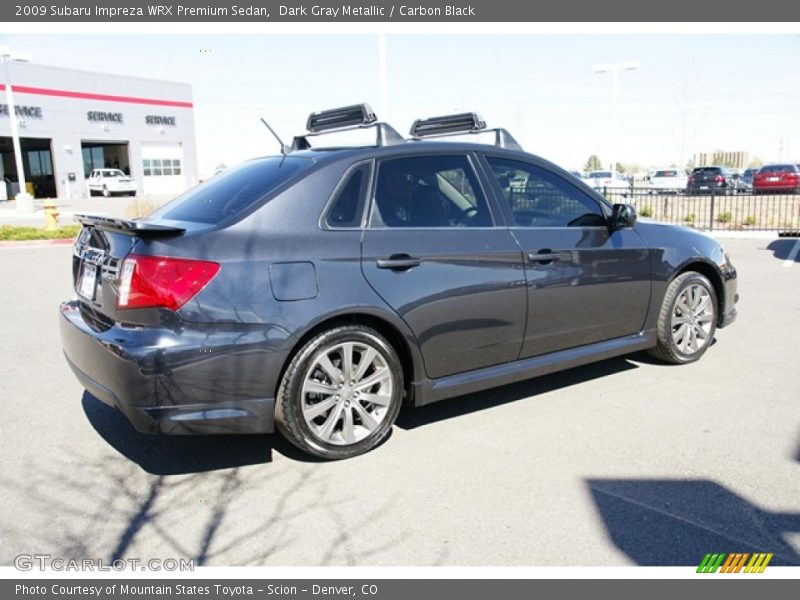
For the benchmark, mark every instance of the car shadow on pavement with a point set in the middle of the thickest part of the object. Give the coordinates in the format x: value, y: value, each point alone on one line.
x: 176, y: 454
x: 463, y: 405
x: 659, y: 522
x: 782, y: 248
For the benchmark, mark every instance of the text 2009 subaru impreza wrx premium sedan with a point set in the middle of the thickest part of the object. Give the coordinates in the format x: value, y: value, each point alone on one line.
x: 320, y: 289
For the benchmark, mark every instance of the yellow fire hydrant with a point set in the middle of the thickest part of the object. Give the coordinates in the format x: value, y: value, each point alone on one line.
x: 50, y: 214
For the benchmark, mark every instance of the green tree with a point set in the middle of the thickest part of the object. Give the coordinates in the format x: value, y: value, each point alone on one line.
x: 593, y: 163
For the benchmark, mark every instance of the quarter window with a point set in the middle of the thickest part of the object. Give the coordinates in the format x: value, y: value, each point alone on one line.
x: 539, y: 198
x: 429, y: 191
x: 347, y: 207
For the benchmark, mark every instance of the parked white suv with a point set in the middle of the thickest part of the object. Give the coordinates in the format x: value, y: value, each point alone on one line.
x: 669, y: 179
x: 111, y: 181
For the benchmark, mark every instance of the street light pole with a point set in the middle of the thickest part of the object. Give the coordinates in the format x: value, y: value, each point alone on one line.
x: 23, y: 199
x: 614, y: 69
x: 383, y: 75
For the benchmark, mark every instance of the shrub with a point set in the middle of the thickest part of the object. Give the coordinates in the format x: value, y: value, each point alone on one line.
x: 646, y: 211
x: 749, y: 221
x: 140, y: 207
x: 13, y: 233
x: 691, y: 218
x: 724, y: 217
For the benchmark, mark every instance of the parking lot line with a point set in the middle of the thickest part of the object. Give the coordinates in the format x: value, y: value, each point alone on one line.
x: 792, y: 255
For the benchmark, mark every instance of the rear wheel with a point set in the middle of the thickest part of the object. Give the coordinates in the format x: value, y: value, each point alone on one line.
x: 341, y: 393
x: 106, y: 193
x: 687, y: 320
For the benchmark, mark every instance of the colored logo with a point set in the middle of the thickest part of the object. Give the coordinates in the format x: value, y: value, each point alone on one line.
x: 734, y: 562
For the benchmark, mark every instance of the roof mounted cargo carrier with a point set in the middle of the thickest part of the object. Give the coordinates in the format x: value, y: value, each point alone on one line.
x: 347, y: 118
x: 461, y: 124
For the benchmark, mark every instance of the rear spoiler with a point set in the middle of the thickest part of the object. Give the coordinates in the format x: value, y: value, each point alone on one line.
x: 143, y: 229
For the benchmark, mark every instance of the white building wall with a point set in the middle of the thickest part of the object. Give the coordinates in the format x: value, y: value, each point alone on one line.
x: 65, y: 97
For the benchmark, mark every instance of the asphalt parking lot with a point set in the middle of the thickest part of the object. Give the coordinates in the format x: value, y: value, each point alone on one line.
x: 624, y: 462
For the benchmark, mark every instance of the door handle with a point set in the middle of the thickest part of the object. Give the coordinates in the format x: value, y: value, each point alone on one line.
x: 398, y: 262
x: 544, y: 256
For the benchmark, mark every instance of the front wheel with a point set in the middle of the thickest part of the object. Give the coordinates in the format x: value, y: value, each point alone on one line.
x: 687, y: 320
x: 106, y: 193
x: 341, y: 393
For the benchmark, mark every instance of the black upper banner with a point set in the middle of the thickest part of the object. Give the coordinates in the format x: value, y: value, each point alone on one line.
x: 475, y: 11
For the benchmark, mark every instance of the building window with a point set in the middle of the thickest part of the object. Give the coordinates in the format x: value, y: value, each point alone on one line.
x: 39, y: 163
x: 155, y: 167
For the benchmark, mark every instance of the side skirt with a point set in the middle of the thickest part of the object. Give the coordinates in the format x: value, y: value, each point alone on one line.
x: 428, y: 391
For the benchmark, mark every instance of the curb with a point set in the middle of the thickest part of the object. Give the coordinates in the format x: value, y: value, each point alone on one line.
x: 35, y: 243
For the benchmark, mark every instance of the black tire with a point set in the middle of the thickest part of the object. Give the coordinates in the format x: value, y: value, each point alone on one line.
x: 666, y: 349
x: 288, y: 403
x: 106, y: 193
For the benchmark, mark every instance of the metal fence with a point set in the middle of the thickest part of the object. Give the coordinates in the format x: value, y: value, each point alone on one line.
x: 739, y: 211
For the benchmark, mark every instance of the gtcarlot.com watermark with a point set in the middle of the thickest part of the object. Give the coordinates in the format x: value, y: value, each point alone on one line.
x: 43, y: 562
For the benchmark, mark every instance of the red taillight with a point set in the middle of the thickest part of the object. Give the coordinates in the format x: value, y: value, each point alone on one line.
x: 162, y: 281
x: 719, y: 178
x: 691, y: 178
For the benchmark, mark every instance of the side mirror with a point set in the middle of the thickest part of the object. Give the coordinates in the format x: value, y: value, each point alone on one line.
x: 622, y: 216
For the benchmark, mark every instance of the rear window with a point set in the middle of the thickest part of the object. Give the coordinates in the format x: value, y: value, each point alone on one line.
x: 666, y: 174
x: 233, y: 191
x: 600, y: 174
x: 778, y: 169
x: 707, y: 170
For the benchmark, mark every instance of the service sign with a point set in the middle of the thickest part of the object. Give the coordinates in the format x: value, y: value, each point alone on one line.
x: 160, y: 120
x: 104, y: 117
x: 22, y: 111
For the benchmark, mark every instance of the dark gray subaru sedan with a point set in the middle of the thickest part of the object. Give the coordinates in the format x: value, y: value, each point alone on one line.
x: 320, y: 289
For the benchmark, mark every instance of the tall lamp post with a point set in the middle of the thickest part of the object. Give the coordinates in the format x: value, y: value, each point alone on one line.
x: 24, y: 199
x: 614, y: 69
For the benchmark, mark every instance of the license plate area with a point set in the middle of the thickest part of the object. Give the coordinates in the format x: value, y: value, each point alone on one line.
x: 87, y: 283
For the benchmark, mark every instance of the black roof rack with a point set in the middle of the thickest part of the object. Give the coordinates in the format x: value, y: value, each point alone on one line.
x: 461, y: 124
x: 356, y: 116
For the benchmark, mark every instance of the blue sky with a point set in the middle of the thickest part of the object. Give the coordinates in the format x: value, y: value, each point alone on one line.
x: 692, y: 93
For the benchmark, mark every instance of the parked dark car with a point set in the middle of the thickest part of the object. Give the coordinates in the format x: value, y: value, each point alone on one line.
x: 705, y: 180
x: 777, y: 178
x: 321, y: 289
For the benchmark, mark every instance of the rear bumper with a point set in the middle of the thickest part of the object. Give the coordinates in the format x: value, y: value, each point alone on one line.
x: 191, y: 382
x: 776, y: 187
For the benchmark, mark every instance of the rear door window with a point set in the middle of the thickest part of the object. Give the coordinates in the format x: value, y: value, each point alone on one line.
x: 234, y: 190
x: 429, y: 191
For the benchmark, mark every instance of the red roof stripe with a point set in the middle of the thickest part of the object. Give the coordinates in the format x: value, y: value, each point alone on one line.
x: 23, y: 89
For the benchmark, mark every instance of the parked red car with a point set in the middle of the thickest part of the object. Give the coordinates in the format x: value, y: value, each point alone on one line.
x: 777, y: 178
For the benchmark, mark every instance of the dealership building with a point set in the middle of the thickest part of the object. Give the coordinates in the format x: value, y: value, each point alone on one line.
x: 71, y: 122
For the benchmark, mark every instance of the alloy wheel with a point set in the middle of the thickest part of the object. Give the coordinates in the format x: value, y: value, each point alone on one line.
x: 346, y: 393
x: 692, y: 319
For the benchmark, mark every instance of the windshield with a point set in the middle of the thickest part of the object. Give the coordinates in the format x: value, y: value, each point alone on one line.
x: 600, y: 174
x: 666, y: 174
x: 113, y: 173
x: 233, y: 190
